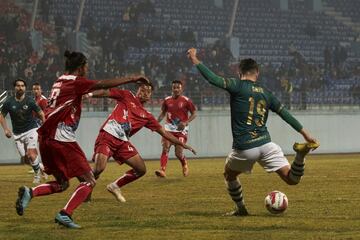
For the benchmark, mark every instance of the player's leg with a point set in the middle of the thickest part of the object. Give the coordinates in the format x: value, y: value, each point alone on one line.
x: 292, y: 175
x: 79, y: 196
x: 30, y: 140
x: 179, y: 153
x: 164, y: 157
x: 100, y: 164
x: 25, y: 194
x: 236, y: 163
x: 138, y: 169
x: 73, y: 164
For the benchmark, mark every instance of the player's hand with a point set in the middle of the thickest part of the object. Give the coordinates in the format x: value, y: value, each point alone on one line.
x: 181, y: 126
x: 191, y: 54
x: 8, y: 133
x: 190, y: 149
x: 87, y: 96
x: 308, y: 137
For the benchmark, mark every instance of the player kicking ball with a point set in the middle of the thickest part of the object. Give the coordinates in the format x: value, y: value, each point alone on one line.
x: 250, y: 104
x: 127, y: 118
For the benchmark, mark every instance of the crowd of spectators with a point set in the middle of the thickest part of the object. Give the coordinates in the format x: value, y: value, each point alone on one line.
x: 19, y: 59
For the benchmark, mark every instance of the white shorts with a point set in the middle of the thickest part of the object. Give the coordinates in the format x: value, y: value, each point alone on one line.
x: 26, y: 140
x: 269, y: 156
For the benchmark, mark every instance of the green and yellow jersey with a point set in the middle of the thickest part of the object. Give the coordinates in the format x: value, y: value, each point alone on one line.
x: 250, y: 104
x: 21, y: 113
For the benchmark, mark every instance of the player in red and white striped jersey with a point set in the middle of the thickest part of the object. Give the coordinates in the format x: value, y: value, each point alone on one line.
x: 127, y: 118
x: 61, y: 155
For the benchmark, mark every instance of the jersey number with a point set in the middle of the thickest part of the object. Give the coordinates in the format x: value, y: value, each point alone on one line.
x: 260, y: 110
x: 55, y: 92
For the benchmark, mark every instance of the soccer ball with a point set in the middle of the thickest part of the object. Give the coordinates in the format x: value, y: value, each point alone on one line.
x: 276, y: 202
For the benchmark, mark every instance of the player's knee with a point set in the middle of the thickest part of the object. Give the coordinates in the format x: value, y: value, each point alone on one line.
x: 92, y: 183
x: 166, y: 149
x: 229, y: 176
x: 141, y: 171
x: 64, y: 185
x: 179, y: 154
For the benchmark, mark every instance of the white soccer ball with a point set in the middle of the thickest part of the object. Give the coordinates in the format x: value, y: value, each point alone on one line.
x: 276, y: 202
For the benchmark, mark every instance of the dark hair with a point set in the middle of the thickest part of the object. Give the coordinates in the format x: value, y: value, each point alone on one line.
x: 177, y: 82
x: 19, y: 80
x: 74, y: 60
x: 248, y: 65
x: 147, y: 84
x: 36, y: 84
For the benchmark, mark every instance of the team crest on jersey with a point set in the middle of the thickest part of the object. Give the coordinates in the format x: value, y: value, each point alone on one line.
x: 25, y: 107
x: 181, y: 105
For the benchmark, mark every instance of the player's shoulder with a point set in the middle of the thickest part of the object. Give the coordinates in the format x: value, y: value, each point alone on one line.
x: 167, y: 98
x: 185, y: 98
x: 29, y: 99
x: 43, y: 98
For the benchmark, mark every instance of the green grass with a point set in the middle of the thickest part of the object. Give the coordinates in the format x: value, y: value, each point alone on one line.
x: 325, y: 205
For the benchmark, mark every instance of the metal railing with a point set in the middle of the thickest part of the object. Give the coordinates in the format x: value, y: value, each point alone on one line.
x: 336, y: 100
x: 3, y: 97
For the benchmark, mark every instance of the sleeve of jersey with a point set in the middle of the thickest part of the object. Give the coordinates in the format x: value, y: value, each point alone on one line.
x: 43, y: 104
x: 191, y: 106
x: 35, y: 107
x: 212, y: 78
x: 83, y: 85
x: 4, y: 109
x: 117, y: 94
x: 153, y: 124
x: 277, y: 107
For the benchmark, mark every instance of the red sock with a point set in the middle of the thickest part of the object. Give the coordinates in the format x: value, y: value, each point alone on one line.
x: 183, y: 160
x: 163, y: 160
x: 128, y: 177
x: 80, y: 194
x: 46, y: 189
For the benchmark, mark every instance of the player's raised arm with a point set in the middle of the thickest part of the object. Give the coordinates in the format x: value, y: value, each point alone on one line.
x: 210, y: 76
x: 109, y: 83
x: 174, y: 140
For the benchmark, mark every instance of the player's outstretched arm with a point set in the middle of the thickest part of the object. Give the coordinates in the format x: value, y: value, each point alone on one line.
x: 3, y: 123
x: 174, y: 140
x: 109, y: 83
x: 307, y: 136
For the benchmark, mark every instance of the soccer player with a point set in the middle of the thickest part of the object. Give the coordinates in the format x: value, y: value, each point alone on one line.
x: 176, y: 108
x: 40, y: 99
x: 21, y: 108
x: 250, y: 104
x: 128, y: 117
x: 61, y: 155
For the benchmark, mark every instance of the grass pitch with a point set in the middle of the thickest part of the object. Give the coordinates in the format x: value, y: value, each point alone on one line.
x: 325, y: 205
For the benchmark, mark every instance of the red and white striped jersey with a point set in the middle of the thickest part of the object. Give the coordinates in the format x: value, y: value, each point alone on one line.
x: 64, y: 108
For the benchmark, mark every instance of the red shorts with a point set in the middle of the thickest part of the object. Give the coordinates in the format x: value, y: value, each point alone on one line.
x: 111, y: 146
x: 181, y: 137
x: 63, y: 159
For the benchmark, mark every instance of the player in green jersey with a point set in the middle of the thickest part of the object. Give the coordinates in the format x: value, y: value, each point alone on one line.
x: 250, y: 104
x: 21, y: 108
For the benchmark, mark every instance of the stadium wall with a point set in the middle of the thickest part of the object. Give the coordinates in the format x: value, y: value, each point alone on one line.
x: 210, y: 135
